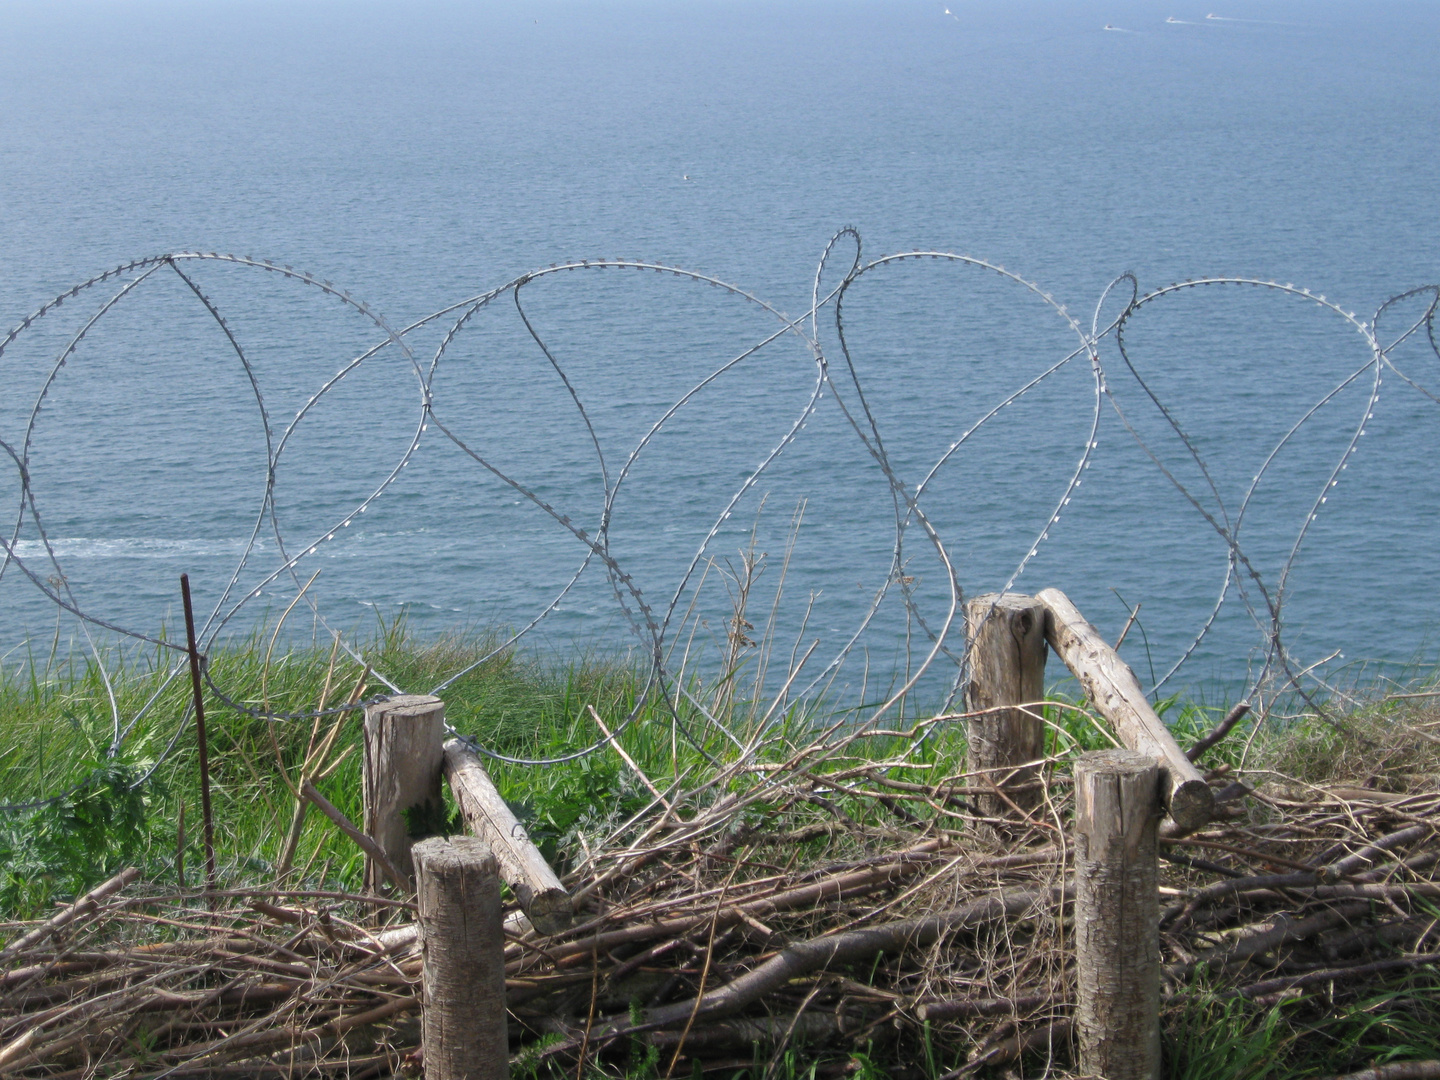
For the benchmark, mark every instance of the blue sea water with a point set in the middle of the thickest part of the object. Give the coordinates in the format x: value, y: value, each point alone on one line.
x: 419, y: 154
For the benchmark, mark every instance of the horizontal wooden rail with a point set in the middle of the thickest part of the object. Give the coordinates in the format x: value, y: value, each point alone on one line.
x: 1112, y: 686
x: 522, y: 866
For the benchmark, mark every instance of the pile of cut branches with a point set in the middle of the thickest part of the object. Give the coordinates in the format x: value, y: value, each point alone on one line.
x: 237, y: 983
x: 842, y: 898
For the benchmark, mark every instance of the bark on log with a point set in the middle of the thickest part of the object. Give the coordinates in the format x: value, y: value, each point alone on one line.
x: 522, y: 866
x: 762, y: 1031
x: 1337, y: 974
x: 1270, y: 934
x: 83, y: 906
x: 1219, y: 731
x: 828, y: 890
x: 819, y: 953
x: 1116, y: 692
x: 1117, y: 915
x: 1045, y: 1037
x: 1367, y: 855
x: 960, y: 1008
x: 1007, y: 667
x: 463, y: 1025
x: 404, y: 737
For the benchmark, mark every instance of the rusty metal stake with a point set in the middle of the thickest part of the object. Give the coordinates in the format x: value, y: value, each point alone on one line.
x: 180, y: 848
x: 200, y: 735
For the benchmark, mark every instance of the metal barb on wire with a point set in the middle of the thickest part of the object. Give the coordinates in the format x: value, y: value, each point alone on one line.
x: 658, y: 622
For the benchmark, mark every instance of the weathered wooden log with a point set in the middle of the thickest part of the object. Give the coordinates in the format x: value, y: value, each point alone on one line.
x: 79, y: 909
x: 463, y: 1025
x: 1045, y: 1039
x: 957, y: 1008
x: 1007, y: 667
x: 1117, y: 915
x: 801, y: 958
x: 761, y: 1031
x: 1271, y: 933
x: 404, y: 741
x: 1116, y: 692
x: 900, y: 866
x: 534, y: 883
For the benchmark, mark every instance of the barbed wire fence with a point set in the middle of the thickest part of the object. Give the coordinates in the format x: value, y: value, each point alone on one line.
x: 941, y: 644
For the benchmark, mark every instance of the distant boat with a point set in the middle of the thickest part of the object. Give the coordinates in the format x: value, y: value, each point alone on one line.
x: 1212, y: 16
x: 1109, y: 27
x: 1173, y: 19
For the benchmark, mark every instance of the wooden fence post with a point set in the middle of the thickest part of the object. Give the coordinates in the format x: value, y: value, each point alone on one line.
x: 1117, y: 914
x: 1007, y: 667
x: 404, y: 741
x: 462, y: 941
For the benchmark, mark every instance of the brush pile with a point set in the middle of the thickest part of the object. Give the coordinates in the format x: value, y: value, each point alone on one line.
x: 840, y: 899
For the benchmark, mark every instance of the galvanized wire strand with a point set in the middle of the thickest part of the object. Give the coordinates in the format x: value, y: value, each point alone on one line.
x: 840, y: 269
x: 907, y: 509
x: 1427, y: 321
x: 471, y: 308
x: 144, y: 269
x: 289, y: 562
x: 23, y: 461
x: 622, y: 583
x: 270, y: 449
x: 1276, y: 655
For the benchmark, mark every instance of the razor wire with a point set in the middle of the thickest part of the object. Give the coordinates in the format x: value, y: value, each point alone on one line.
x: 654, y: 622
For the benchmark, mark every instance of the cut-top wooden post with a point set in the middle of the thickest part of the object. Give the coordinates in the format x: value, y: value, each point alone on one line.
x: 404, y: 753
x: 1007, y: 667
x: 462, y: 941
x: 1117, y: 914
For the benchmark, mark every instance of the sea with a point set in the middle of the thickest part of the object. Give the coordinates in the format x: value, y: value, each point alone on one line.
x: 759, y: 457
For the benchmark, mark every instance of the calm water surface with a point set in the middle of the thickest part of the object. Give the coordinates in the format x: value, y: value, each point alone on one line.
x: 419, y: 154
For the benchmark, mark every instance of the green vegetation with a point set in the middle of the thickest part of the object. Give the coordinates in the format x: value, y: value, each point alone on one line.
x: 55, y: 734
x: 122, y: 810
x: 1210, y: 1037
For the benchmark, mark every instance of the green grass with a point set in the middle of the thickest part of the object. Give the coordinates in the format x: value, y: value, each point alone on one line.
x: 55, y: 734
x: 1209, y: 1037
x: 124, y: 809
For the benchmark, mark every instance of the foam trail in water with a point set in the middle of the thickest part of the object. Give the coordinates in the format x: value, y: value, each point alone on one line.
x: 1255, y: 22
x: 131, y: 547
